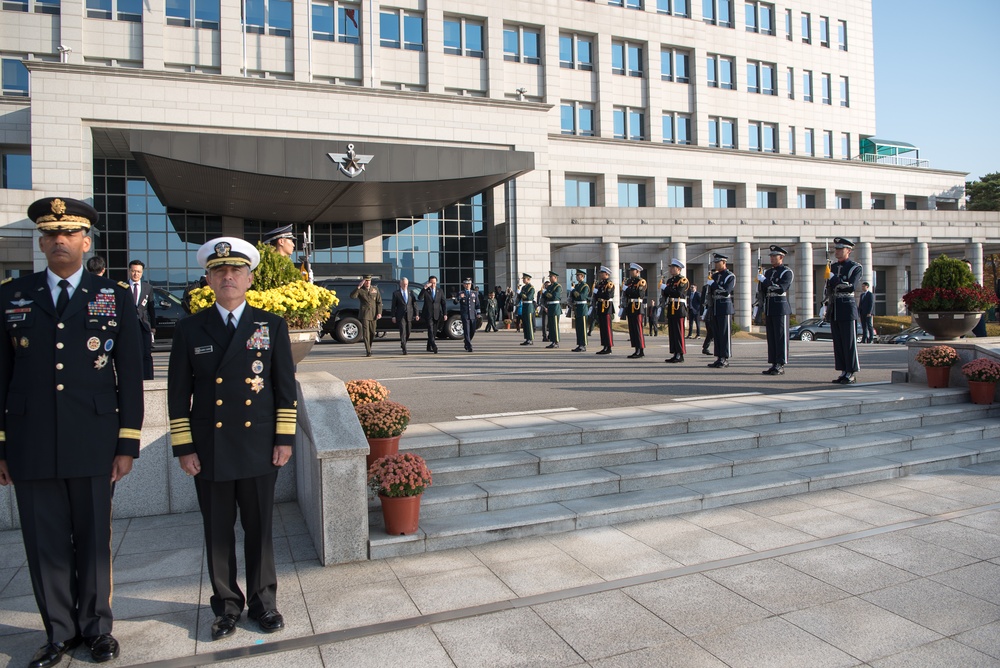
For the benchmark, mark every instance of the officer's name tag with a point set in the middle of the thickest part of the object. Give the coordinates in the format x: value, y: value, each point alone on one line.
x: 201, y: 350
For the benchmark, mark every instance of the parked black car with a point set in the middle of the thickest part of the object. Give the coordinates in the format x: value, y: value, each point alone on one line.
x: 817, y: 329
x: 343, y: 324
x: 168, y: 312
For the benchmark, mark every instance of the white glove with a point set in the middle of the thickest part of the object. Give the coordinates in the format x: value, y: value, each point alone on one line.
x: 589, y: 311
x: 621, y: 311
x: 710, y: 281
x: 760, y: 277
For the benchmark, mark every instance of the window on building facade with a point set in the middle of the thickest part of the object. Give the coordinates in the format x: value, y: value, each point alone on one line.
x: 675, y: 64
x: 463, y: 37
x: 123, y: 10
x: 767, y: 198
x: 15, y: 5
x: 333, y: 20
x: 626, y: 58
x: 724, y: 197
x: 720, y: 71
x: 790, y: 141
x: 721, y: 132
x: 842, y: 35
x: 718, y: 12
x: 522, y: 45
x: 581, y: 190
x: 809, y: 142
x: 807, y: 199
x: 401, y: 29
x: 629, y: 123
x: 843, y: 201
x: 824, y: 31
x: 762, y: 137
x: 790, y: 83
x: 627, y: 4
x: 807, y: 85
x: 631, y: 192
x: 577, y: 118
x: 878, y: 203
x: 576, y: 51
x: 761, y: 77
x: 15, y: 169
x: 760, y: 17
x: 806, y: 28
x: 845, y: 97
x: 845, y: 145
x: 14, y: 77
x: 676, y: 128
x: 788, y: 25
x: 827, y: 143
x: 674, y: 7
x: 680, y: 195
x: 825, y: 88
x: 196, y: 13
x: 273, y: 17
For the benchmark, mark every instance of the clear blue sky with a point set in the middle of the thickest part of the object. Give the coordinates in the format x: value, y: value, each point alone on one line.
x: 937, y: 85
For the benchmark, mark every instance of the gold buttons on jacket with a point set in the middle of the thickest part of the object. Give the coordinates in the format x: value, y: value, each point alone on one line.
x: 218, y: 402
x: 218, y: 381
x: 61, y: 325
x: 246, y: 424
x: 59, y: 366
x: 248, y: 381
x: 249, y: 402
x: 218, y: 425
x: 59, y: 387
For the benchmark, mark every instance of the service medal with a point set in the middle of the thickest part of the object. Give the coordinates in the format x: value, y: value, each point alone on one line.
x: 257, y: 384
x: 93, y: 344
x: 101, y: 361
x: 257, y: 366
x: 109, y: 344
x: 24, y: 341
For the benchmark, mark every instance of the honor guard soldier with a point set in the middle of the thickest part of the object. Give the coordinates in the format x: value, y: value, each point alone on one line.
x: 369, y: 310
x: 633, y: 304
x: 526, y: 309
x: 603, y: 309
x: 71, y: 383
x: 721, y: 295
x: 842, y: 310
x: 283, y: 240
x: 580, y: 296
x: 552, y: 298
x: 675, y: 304
x: 469, y: 308
x: 774, y: 285
x: 232, y: 401
x: 708, y: 315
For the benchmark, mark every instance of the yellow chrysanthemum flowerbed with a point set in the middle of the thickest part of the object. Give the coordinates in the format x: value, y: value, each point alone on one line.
x: 302, y: 304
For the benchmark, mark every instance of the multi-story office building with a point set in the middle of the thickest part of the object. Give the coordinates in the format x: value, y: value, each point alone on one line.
x: 482, y: 138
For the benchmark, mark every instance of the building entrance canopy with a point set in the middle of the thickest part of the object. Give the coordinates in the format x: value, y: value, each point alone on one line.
x: 290, y: 179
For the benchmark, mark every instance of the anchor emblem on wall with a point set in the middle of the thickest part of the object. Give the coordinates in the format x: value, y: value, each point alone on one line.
x: 350, y: 164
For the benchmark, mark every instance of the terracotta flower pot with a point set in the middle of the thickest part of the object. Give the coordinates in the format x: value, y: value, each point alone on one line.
x: 982, y: 392
x: 937, y: 376
x: 401, y: 514
x: 380, y: 447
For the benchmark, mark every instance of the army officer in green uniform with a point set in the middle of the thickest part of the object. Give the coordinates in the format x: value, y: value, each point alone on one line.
x: 526, y: 307
x: 552, y: 298
x: 369, y: 310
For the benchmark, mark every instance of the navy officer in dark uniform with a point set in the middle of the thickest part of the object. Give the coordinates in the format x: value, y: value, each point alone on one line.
x: 232, y: 401
x: 774, y: 286
x: 633, y: 306
x: 71, y: 383
x: 674, y: 298
x: 469, y: 307
x: 720, y: 293
x: 842, y: 310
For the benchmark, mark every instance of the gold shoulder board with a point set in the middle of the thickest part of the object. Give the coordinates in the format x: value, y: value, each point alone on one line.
x: 6, y: 280
x: 123, y: 284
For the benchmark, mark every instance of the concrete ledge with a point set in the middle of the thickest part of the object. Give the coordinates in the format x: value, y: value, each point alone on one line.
x: 968, y: 350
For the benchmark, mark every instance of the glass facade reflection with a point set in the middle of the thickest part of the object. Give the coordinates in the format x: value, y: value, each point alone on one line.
x: 332, y: 242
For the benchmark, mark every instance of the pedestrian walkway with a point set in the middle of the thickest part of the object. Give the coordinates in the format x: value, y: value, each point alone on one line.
x: 902, y: 572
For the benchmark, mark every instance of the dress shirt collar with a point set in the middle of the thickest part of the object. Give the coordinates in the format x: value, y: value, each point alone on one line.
x: 237, y: 312
x: 53, y: 280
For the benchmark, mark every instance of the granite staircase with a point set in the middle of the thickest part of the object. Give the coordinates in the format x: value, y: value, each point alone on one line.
x: 516, y: 476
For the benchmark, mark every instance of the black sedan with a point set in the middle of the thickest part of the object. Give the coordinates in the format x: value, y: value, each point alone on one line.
x: 816, y: 329
x: 168, y: 312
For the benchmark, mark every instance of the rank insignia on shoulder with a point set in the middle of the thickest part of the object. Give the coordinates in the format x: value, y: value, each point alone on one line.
x: 123, y: 284
x: 7, y: 280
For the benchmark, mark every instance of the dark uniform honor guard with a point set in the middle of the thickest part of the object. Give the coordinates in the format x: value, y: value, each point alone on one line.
x: 708, y: 316
x: 580, y: 296
x: 232, y: 401
x: 674, y: 297
x: 773, y: 287
x: 369, y: 310
x: 71, y: 385
x: 603, y: 309
x: 552, y: 298
x: 526, y: 309
x: 842, y: 310
x: 720, y: 292
x: 468, y: 307
x: 633, y: 304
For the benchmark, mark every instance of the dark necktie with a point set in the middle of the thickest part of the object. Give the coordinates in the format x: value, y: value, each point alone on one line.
x: 231, y: 326
x: 135, y: 293
x: 63, y: 300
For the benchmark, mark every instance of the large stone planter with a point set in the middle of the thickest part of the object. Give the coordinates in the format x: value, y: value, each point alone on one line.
x: 947, y: 325
x: 303, y: 341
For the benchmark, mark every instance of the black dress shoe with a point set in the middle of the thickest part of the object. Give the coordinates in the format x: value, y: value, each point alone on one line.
x: 103, y: 647
x: 603, y: 351
x: 719, y: 364
x: 633, y: 355
x: 704, y: 351
x: 270, y: 621
x: 224, y: 626
x: 577, y: 350
x: 838, y: 381
x: 51, y: 654
x: 847, y: 380
x: 673, y: 360
x: 552, y: 345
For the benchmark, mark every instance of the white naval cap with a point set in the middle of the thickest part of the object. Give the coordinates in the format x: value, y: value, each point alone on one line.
x: 676, y: 263
x: 228, y: 250
x: 637, y: 267
x: 605, y: 270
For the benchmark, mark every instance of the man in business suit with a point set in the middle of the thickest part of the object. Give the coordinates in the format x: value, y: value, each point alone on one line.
x: 142, y: 296
x: 866, y: 311
x: 468, y: 307
x: 232, y: 401
x: 404, y: 311
x: 369, y: 310
x: 71, y: 383
x: 434, y: 312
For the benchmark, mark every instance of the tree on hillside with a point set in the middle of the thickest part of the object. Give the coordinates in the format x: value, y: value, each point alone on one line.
x: 983, y: 195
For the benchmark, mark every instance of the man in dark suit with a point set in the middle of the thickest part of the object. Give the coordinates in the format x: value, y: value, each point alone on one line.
x: 468, y: 307
x: 866, y: 310
x: 694, y: 310
x: 142, y: 296
x: 434, y: 312
x: 232, y: 401
x: 404, y: 311
x: 72, y: 387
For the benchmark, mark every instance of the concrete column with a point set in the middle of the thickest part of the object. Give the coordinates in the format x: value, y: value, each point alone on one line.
x: 746, y: 279
x: 864, y: 258
x: 803, y: 286
x: 614, y: 264
x: 679, y: 250
x: 918, y: 264
x: 974, y: 254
